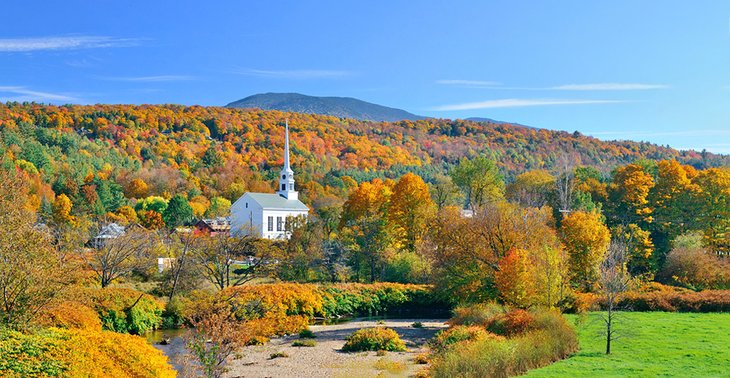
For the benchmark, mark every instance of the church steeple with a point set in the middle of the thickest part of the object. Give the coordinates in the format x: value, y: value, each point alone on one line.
x: 286, y: 181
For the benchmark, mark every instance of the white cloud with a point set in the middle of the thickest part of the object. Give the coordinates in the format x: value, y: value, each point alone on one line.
x: 517, y: 102
x: 469, y: 83
x: 295, y: 74
x: 686, y: 133
x: 609, y: 87
x: 22, y: 94
x: 62, y: 43
x: 151, y: 79
x: 566, y: 87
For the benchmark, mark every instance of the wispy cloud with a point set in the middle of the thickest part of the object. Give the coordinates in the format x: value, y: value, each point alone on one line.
x: 20, y: 94
x: 151, y: 79
x: 469, y: 83
x: 687, y: 133
x: 63, y: 43
x: 518, y: 102
x: 609, y: 87
x: 566, y: 87
x: 295, y: 74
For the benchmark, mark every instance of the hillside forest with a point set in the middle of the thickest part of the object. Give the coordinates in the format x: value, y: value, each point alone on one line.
x: 430, y: 212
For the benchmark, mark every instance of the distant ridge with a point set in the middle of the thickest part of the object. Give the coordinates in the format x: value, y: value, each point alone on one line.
x: 496, y: 122
x: 343, y: 107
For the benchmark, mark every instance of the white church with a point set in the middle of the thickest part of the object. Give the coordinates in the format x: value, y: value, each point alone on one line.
x: 264, y: 214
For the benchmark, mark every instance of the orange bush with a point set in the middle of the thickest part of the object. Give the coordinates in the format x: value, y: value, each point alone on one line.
x: 512, y: 323
x: 70, y: 315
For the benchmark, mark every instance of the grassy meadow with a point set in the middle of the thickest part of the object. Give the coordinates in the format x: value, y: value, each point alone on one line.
x: 651, y: 344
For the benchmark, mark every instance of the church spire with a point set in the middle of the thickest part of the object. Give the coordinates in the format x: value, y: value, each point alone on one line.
x: 286, y: 182
x: 287, y: 167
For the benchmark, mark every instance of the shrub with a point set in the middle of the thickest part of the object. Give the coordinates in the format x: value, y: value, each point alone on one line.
x: 479, y: 314
x: 695, y: 268
x: 304, y: 343
x: 392, y: 367
x: 417, y: 325
x: 378, y: 338
x: 548, y: 338
x: 70, y: 315
x: 307, y: 334
x: 675, y: 300
x: 79, y: 353
x: 125, y: 310
x: 278, y: 355
x: 455, y: 334
x: 511, y: 323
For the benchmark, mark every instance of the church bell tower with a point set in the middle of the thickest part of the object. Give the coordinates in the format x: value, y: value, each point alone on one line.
x: 286, y: 177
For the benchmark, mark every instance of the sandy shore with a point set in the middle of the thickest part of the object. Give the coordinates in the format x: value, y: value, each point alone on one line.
x: 326, y: 360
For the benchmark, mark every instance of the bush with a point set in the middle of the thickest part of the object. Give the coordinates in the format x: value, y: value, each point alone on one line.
x: 417, y: 325
x: 696, y: 269
x: 479, y: 314
x: 548, y: 338
x: 125, y: 310
x: 304, y: 343
x: 675, y: 300
x: 79, y: 353
x: 511, y: 323
x: 278, y: 355
x: 307, y: 334
x: 70, y: 315
x: 378, y: 338
x: 456, y: 334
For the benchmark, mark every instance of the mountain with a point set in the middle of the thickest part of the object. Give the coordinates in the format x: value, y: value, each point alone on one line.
x: 341, y: 107
x: 496, y: 122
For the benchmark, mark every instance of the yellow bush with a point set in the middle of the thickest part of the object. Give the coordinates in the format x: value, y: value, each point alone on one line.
x: 70, y: 315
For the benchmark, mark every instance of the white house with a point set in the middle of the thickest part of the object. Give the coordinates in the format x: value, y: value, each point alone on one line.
x: 265, y: 214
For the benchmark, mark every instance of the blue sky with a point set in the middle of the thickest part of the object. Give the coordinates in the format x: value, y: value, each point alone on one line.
x: 657, y: 71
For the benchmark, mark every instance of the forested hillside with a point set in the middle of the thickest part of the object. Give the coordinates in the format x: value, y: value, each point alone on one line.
x: 102, y: 155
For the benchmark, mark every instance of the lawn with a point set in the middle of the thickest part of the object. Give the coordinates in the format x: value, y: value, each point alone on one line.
x: 652, y: 344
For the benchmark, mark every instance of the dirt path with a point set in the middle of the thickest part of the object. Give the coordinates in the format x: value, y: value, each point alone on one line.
x: 326, y: 360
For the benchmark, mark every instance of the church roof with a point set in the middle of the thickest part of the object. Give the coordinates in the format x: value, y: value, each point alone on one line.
x: 275, y: 201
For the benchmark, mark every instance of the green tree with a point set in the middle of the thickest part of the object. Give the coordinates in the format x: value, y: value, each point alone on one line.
x: 178, y: 212
x: 480, y: 181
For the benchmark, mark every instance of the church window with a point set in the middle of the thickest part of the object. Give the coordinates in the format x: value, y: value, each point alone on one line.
x: 291, y: 186
x: 247, y: 205
x: 271, y: 224
x: 279, y: 224
x: 283, y: 186
x: 283, y: 177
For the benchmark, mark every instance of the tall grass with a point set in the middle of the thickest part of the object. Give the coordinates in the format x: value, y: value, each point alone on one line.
x: 547, y: 339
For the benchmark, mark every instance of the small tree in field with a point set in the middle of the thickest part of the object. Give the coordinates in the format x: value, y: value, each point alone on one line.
x: 614, y: 280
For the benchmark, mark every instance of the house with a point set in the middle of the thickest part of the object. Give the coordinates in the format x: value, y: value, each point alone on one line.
x: 213, y: 227
x: 108, y: 232
x: 265, y: 214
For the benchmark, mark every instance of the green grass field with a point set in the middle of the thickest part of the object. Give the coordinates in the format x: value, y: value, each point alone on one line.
x: 652, y: 344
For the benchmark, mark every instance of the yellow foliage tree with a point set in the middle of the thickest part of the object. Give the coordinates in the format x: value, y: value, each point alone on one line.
x: 410, y: 209
x: 586, y: 239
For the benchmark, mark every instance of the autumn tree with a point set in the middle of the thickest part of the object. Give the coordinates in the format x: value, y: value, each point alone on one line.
x: 512, y: 279
x: 480, y: 181
x: 713, y: 215
x: 585, y: 238
x: 532, y: 189
x: 628, y: 195
x: 62, y: 210
x: 673, y: 204
x: 31, y: 275
x: 120, y: 256
x: 137, y: 188
x: 444, y: 192
x: 232, y: 261
x: 409, y: 210
x: 369, y: 199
